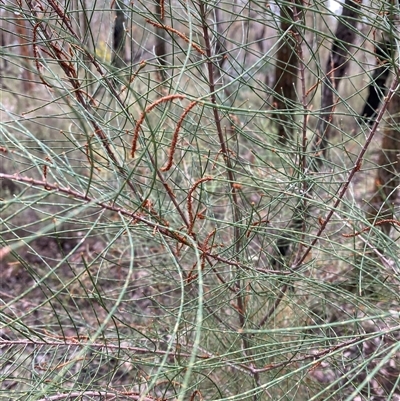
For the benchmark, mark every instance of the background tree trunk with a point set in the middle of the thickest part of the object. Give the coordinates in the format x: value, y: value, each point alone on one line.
x: 384, y: 51
x: 26, y: 53
x: 336, y: 69
x: 160, y: 47
x: 119, y: 58
x: 286, y: 70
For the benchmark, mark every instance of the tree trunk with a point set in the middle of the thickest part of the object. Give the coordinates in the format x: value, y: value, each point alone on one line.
x: 119, y: 58
x: 286, y: 70
x: 336, y: 68
x: 25, y: 42
x: 160, y: 47
x: 384, y: 52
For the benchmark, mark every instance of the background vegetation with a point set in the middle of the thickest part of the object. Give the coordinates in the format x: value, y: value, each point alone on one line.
x: 199, y: 200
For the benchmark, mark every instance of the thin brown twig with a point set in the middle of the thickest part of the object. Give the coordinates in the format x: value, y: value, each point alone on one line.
x: 190, y: 202
x: 377, y: 223
x: 180, y: 34
x: 254, y: 225
x: 142, y: 64
x: 204, y: 246
x: 36, y: 54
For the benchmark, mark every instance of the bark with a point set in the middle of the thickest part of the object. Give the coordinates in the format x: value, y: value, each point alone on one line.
x: 285, y: 82
x: 26, y: 53
x: 384, y: 52
x: 335, y: 70
x: 160, y: 47
x: 119, y: 37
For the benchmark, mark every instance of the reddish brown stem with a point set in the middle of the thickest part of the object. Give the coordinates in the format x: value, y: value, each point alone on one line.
x: 190, y: 202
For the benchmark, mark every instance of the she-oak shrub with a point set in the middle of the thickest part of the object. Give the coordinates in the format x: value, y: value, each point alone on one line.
x: 158, y: 241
